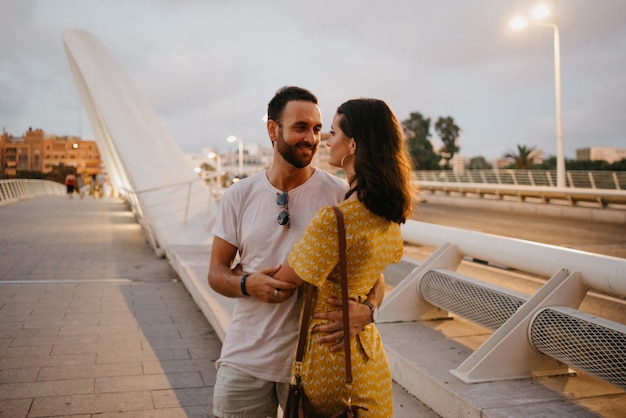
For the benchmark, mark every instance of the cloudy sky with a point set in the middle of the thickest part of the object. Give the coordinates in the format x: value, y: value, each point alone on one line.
x: 209, y: 67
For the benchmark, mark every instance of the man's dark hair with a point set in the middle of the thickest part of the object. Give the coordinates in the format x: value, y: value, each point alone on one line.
x: 283, y: 96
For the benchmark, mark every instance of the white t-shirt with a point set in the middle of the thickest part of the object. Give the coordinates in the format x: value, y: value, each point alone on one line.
x: 262, y: 337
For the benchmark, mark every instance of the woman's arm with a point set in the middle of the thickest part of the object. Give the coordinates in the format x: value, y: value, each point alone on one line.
x: 360, y: 314
x: 287, y: 274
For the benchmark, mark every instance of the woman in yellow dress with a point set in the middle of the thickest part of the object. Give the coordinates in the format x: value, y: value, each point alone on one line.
x: 366, y: 141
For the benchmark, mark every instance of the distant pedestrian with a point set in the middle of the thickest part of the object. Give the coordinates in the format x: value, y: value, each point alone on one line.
x: 100, y: 184
x: 92, y: 186
x: 70, y: 182
x: 80, y: 185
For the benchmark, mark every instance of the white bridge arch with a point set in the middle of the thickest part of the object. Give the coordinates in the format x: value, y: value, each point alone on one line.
x: 142, y: 158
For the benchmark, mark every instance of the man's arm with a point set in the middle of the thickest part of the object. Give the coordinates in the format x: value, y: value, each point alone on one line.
x: 227, y: 281
x: 222, y: 278
x: 360, y: 316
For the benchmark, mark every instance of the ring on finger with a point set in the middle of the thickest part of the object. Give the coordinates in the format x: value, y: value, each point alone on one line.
x: 276, y: 292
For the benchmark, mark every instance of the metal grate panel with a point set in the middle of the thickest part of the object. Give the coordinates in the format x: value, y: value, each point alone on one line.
x: 576, y: 339
x: 395, y: 273
x: 484, y: 304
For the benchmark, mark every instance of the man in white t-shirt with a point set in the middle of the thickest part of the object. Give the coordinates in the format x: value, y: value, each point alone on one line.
x: 260, y: 218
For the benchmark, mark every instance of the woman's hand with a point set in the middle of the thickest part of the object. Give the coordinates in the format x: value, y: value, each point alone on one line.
x: 360, y: 316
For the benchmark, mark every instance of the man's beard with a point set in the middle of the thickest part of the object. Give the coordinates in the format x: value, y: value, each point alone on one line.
x: 290, y: 154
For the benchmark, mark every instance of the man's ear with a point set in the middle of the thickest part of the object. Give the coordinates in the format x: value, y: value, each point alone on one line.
x: 272, y: 130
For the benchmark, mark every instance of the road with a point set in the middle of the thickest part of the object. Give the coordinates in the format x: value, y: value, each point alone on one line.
x: 595, y: 237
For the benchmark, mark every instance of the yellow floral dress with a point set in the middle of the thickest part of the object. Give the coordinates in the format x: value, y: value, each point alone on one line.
x: 372, y: 243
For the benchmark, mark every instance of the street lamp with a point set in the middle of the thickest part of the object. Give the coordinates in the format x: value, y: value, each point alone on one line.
x: 231, y: 139
x: 218, y: 166
x: 541, y: 12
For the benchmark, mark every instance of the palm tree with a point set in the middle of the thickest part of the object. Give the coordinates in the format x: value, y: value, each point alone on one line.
x: 524, y: 157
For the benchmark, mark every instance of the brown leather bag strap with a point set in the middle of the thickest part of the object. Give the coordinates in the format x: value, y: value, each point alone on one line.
x: 304, y: 324
x: 341, y: 232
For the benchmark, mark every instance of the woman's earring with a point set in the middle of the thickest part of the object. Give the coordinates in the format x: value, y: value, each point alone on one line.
x: 350, y: 154
x: 344, y: 158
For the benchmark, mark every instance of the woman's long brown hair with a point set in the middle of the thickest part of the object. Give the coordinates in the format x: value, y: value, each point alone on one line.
x: 382, y: 167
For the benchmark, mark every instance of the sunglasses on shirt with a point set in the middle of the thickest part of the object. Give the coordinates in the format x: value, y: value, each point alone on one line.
x: 282, y: 200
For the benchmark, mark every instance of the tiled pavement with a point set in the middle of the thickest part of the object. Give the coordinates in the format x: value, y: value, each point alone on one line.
x: 92, y: 323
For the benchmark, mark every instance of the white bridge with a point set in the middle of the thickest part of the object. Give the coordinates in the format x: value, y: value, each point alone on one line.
x: 487, y: 361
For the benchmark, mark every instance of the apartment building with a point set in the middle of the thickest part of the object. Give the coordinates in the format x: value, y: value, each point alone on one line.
x: 36, y: 152
x: 608, y: 154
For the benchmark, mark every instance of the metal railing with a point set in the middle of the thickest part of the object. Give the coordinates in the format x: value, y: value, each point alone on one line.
x: 13, y: 190
x: 601, y: 187
x: 605, y: 180
x: 159, y: 208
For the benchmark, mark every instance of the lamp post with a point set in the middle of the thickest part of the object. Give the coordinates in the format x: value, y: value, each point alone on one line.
x: 218, y: 161
x: 538, y: 13
x: 231, y: 139
x: 218, y: 166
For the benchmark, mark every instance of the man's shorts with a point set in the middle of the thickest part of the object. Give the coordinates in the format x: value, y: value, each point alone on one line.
x: 238, y: 394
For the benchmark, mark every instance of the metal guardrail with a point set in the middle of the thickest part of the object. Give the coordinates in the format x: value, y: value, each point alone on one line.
x: 603, y: 188
x: 602, y: 197
x: 544, y: 334
x: 13, y: 190
x: 153, y: 208
x: 605, y: 180
x: 134, y: 200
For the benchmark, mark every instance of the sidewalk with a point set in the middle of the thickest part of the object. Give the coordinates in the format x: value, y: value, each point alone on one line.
x: 92, y: 322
